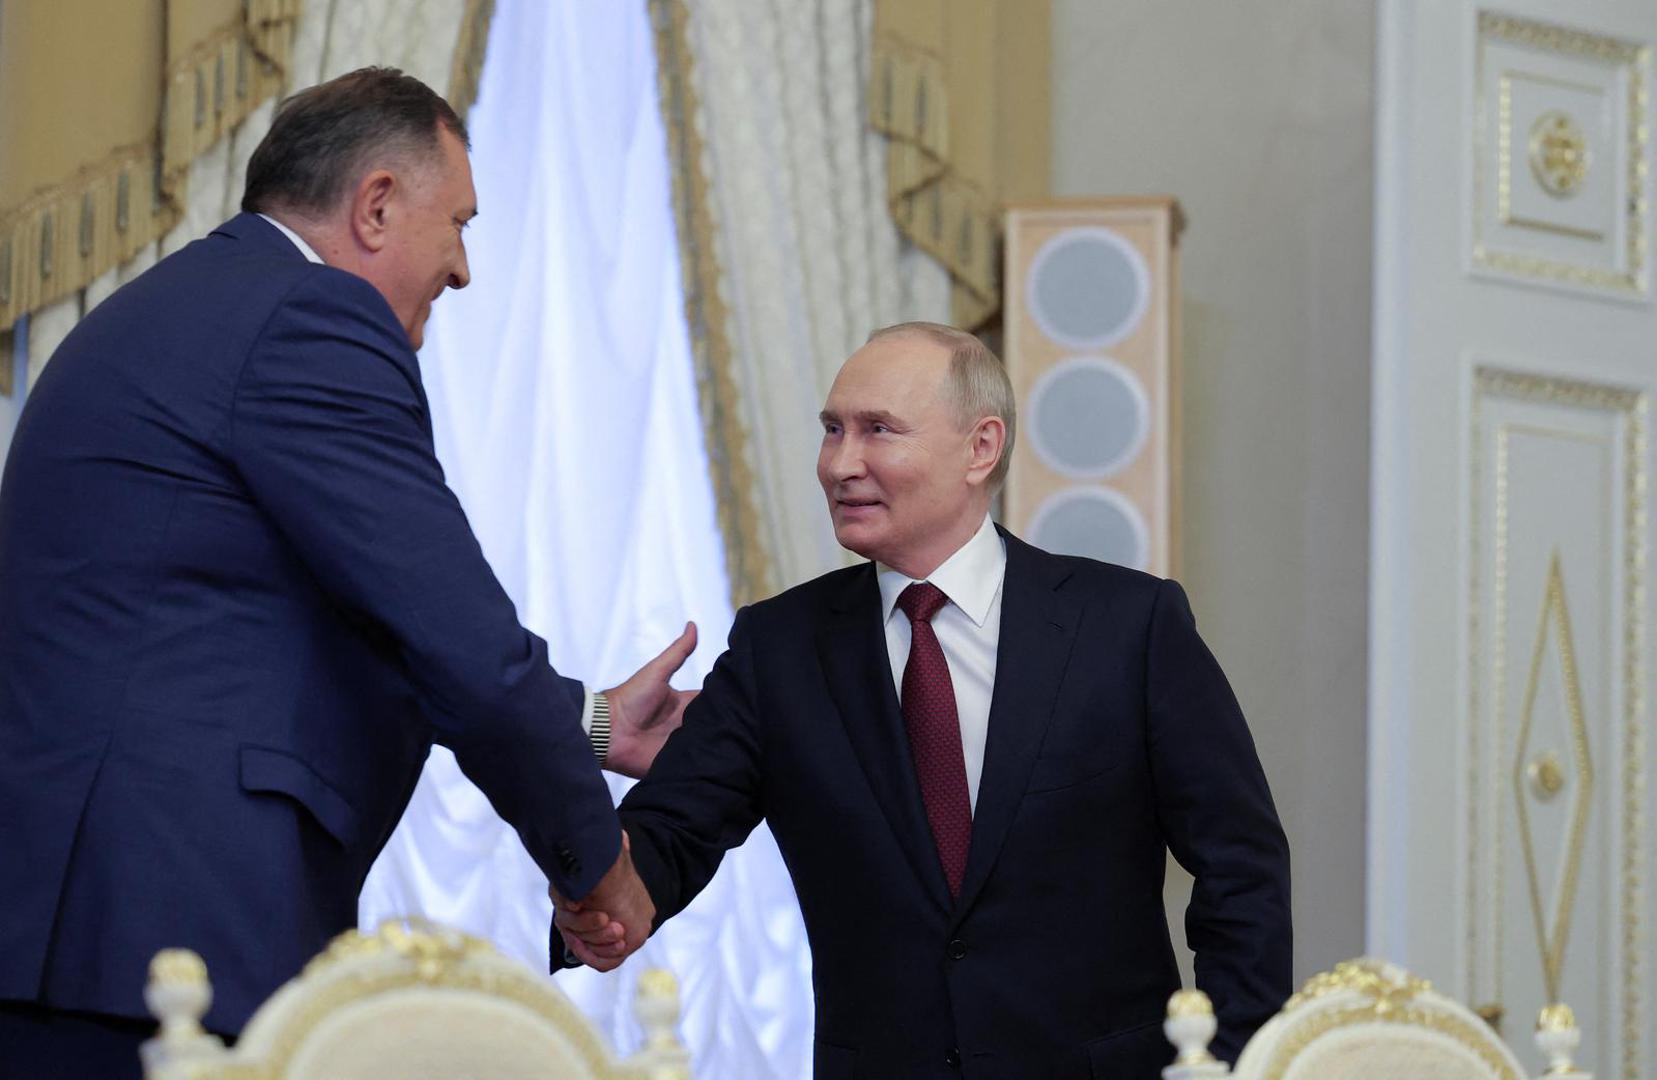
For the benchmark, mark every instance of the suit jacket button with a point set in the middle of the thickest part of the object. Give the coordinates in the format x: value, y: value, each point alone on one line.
x: 957, y: 949
x: 953, y: 1058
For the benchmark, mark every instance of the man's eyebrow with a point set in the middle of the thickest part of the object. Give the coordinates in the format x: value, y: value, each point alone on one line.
x: 863, y: 416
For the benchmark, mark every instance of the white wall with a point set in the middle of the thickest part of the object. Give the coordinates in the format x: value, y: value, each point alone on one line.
x: 1257, y: 115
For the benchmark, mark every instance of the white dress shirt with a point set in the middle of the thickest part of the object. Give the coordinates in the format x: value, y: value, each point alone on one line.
x: 298, y: 241
x: 968, y: 629
x: 310, y: 253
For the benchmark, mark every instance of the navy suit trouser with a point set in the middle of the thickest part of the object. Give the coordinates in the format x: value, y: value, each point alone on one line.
x: 38, y: 1043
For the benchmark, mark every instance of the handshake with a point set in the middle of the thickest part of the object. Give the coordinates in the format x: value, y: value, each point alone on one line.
x: 610, y: 923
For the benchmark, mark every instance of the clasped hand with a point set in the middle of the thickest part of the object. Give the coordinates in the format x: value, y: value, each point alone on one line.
x: 610, y: 923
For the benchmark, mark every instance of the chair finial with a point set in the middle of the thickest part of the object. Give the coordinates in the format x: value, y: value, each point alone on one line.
x: 1557, y: 1035
x: 178, y: 995
x: 657, y: 1007
x: 1189, y: 1026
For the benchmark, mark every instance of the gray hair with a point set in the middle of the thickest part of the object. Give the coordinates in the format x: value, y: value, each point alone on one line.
x: 323, y: 136
x: 978, y: 383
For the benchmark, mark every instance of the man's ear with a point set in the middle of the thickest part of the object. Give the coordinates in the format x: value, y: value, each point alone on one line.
x: 986, y: 444
x: 371, y: 207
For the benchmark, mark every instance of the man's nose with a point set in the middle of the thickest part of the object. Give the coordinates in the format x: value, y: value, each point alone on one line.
x: 846, y: 461
x: 462, y: 274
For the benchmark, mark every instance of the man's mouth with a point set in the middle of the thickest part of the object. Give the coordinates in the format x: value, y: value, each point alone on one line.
x: 854, y: 503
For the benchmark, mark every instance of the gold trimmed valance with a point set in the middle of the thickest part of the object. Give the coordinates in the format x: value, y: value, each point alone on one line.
x: 103, y: 105
x: 961, y: 90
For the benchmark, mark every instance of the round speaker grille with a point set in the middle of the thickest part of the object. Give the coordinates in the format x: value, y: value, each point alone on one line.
x: 1098, y: 524
x: 1088, y: 417
x: 1088, y: 288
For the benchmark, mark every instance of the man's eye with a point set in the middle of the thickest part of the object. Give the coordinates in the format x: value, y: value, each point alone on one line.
x: 879, y: 429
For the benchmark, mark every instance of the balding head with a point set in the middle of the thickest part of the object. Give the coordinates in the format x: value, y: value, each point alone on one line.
x: 978, y: 382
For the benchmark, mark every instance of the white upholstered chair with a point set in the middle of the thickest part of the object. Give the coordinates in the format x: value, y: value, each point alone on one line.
x: 1366, y: 1019
x: 412, y: 1000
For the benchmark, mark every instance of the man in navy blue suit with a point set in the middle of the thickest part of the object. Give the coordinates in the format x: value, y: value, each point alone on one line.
x: 238, y: 603
x: 975, y: 757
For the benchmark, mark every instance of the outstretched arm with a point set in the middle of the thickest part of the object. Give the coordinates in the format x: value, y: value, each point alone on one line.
x: 703, y: 796
x: 330, y: 433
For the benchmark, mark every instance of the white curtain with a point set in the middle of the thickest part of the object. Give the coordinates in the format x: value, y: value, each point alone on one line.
x: 809, y: 258
x: 565, y: 408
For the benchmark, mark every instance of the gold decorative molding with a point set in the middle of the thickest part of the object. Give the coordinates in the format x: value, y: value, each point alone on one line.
x: 360, y: 977
x: 1546, y: 776
x: 1551, y: 938
x: 435, y: 951
x: 1558, y: 153
x: 1568, y: 152
x: 1631, y: 407
x: 1391, y: 999
x: 436, y: 957
x: 1504, y: 159
x: 178, y: 966
x: 1555, y: 1017
x: 1388, y: 990
x: 747, y: 565
x: 1190, y: 1003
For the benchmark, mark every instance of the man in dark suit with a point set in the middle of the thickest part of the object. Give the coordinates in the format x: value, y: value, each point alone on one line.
x: 238, y: 603
x: 975, y: 757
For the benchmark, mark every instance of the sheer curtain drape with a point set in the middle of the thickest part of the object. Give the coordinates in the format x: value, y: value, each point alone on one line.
x: 565, y: 410
x: 791, y: 231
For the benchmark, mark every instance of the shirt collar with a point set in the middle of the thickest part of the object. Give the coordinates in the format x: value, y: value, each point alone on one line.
x: 298, y: 241
x: 970, y: 578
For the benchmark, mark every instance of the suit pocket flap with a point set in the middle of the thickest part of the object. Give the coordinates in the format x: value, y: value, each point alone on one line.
x: 269, y: 770
x: 1141, y: 1050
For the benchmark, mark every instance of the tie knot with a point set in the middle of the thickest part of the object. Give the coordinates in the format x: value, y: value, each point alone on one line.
x: 921, y: 601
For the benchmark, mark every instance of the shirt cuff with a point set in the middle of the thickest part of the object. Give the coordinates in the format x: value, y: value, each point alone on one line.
x: 595, y: 721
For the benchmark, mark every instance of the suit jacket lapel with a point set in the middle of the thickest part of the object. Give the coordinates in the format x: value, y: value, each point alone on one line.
x: 1038, y: 628
x: 852, y: 645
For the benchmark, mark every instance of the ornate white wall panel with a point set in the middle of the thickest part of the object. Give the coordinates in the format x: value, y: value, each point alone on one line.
x: 1557, y: 670
x: 1561, y: 124
x: 1515, y: 362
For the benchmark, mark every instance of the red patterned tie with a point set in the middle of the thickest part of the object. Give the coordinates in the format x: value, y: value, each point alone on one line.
x: 935, y: 733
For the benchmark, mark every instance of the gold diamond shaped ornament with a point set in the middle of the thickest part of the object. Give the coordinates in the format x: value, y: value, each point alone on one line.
x: 1553, y: 933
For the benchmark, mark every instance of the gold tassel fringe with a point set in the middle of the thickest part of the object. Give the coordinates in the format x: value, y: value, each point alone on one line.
x: 61, y: 239
x: 935, y: 208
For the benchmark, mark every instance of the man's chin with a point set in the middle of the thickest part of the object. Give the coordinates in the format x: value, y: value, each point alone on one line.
x: 417, y: 331
x: 857, y: 539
